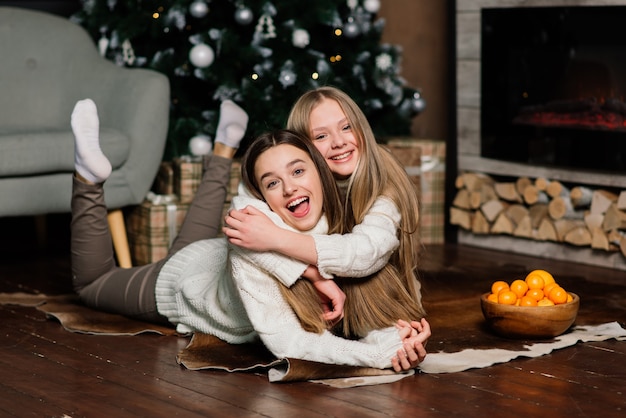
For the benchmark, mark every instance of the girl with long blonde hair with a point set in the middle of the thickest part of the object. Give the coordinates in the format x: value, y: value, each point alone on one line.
x: 202, y: 286
x: 381, y: 212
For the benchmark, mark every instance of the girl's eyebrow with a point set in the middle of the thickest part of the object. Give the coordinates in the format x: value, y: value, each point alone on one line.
x: 289, y: 164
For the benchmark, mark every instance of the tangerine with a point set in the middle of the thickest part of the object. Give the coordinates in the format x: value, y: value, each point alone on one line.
x: 569, y: 298
x: 534, y: 281
x: 528, y: 301
x: 507, y: 297
x: 545, y: 302
x: 519, y: 287
x: 548, y: 287
x: 558, y: 295
x: 547, y: 277
x: 536, y: 294
x: 498, y: 285
x: 492, y: 298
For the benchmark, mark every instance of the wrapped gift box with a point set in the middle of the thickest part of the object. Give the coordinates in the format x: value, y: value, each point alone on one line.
x: 164, y: 180
x: 432, y: 175
x: 152, y: 227
x: 235, y: 179
x: 187, y: 174
x: 187, y: 177
x: 410, y: 156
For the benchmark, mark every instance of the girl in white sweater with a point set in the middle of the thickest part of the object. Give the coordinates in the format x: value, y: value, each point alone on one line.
x: 195, y: 288
x: 380, y: 206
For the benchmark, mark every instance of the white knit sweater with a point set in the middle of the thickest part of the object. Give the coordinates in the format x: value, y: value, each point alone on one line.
x: 198, y: 290
x: 360, y: 253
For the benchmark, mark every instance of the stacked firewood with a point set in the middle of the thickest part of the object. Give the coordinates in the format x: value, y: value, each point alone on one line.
x: 541, y: 209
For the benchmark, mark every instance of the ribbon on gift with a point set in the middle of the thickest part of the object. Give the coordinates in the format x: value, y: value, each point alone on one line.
x: 190, y: 158
x: 169, y: 200
x: 430, y: 164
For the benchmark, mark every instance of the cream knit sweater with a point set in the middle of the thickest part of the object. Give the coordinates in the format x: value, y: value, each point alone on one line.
x: 360, y: 253
x: 198, y: 290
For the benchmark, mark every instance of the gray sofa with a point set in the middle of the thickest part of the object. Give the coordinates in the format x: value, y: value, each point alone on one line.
x: 47, y: 63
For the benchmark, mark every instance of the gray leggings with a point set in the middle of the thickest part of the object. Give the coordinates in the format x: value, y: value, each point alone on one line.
x: 99, y: 282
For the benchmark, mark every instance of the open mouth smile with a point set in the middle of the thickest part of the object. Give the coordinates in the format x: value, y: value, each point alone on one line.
x: 296, y: 204
x: 341, y: 156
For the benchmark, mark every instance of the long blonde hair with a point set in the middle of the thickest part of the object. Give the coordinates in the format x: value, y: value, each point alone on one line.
x: 378, y: 173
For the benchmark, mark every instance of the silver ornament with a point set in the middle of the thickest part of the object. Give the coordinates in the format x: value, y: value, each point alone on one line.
x: 243, y: 15
x: 200, y: 145
x: 198, y: 9
x: 372, y: 6
x: 287, y: 78
x: 300, y: 38
x: 201, y: 55
x: 351, y: 29
x: 418, y: 104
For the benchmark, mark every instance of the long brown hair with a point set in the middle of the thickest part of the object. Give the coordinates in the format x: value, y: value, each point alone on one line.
x: 301, y: 296
x: 378, y: 173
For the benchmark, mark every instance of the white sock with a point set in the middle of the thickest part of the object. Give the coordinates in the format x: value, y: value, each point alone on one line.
x: 89, y: 161
x: 232, y: 124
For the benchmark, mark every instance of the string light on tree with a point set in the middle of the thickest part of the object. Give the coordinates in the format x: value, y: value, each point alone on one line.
x: 261, y: 54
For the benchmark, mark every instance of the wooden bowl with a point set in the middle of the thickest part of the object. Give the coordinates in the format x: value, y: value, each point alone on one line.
x: 533, y: 322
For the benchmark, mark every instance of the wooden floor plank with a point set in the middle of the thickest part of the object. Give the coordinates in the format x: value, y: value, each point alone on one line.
x: 48, y: 371
x: 20, y: 404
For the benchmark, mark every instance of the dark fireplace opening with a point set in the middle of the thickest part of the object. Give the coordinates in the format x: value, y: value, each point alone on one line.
x: 553, y: 86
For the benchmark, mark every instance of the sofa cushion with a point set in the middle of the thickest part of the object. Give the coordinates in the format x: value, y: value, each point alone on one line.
x: 32, y: 153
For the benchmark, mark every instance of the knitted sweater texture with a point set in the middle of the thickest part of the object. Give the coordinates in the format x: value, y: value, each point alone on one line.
x: 199, y: 290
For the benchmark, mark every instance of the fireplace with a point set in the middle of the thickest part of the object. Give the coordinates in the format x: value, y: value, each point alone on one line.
x: 553, y: 84
x: 541, y: 94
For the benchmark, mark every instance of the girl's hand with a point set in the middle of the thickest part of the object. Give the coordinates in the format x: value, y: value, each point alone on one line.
x: 331, y: 296
x: 251, y: 229
x: 414, y: 337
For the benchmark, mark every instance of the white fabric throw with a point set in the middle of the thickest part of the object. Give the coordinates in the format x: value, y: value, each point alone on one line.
x: 471, y: 358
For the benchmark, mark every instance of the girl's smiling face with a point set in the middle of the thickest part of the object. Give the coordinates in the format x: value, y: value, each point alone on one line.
x: 334, y: 137
x: 291, y: 186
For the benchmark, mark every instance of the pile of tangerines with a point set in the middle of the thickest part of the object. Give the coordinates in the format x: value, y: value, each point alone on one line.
x: 538, y: 289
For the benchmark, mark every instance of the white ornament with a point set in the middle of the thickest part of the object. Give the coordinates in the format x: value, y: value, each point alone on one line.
x: 103, y: 45
x: 128, y: 53
x: 383, y: 62
x: 418, y: 104
x: 265, y: 27
x: 198, y: 9
x: 200, y: 145
x: 372, y: 6
x: 243, y: 15
x: 201, y: 55
x: 287, y: 76
x: 175, y: 16
x: 351, y: 29
x: 300, y: 38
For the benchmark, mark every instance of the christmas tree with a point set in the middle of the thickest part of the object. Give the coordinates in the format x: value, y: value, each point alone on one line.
x: 261, y: 54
